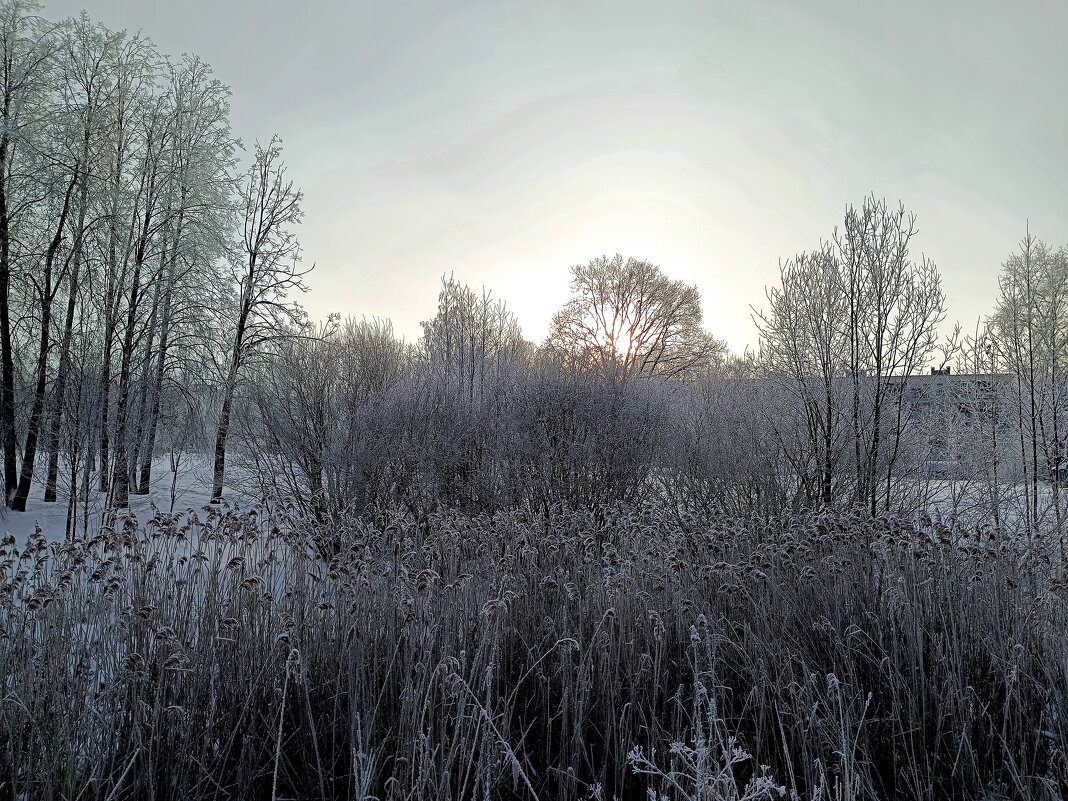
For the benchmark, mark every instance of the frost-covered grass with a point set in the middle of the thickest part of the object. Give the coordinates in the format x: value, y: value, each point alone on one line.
x: 517, y: 657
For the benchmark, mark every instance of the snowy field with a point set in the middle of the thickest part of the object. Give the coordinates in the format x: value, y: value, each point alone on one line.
x: 175, y: 488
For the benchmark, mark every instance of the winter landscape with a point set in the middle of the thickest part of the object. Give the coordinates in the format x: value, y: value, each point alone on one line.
x: 345, y: 458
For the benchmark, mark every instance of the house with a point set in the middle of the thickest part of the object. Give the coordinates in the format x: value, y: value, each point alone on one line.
x: 959, y: 418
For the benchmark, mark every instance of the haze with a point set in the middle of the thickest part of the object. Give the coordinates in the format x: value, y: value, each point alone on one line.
x: 506, y: 141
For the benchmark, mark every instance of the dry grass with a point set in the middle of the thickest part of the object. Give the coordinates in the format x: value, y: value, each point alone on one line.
x: 514, y: 657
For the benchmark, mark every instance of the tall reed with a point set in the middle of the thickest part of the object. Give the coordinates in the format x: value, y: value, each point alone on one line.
x: 220, y: 656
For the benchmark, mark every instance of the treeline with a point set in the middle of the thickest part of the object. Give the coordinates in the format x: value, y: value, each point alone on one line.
x: 140, y: 263
x: 148, y: 270
x: 854, y: 400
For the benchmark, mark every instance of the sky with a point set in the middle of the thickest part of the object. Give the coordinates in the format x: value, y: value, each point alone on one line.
x: 505, y: 141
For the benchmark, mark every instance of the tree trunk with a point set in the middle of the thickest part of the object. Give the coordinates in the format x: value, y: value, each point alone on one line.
x: 120, y: 475
x: 59, y: 401
x: 873, y: 456
x: 143, y: 396
x: 854, y: 369
x: 154, y: 385
x: 111, y: 316
x: 22, y: 490
x: 145, y: 477
x: 7, y: 360
x: 103, y: 451
x: 223, y: 431
x: 827, y: 471
x: 55, y: 419
x: 1031, y: 377
x: 111, y: 310
x: 29, y: 455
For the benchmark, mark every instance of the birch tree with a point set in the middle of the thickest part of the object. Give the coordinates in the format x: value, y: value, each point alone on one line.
x: 860, y: 318
x: 26, y: 49
x: 268, y: 272
x: 84, y: 88
x: 1030, y: 332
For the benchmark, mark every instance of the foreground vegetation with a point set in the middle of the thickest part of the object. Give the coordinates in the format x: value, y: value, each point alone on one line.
x: 518, y: 656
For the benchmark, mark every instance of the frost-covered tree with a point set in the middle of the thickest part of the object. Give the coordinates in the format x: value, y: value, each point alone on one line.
x: 472, y: 341
x: 847, y: 329
x: 27, y: 75
x: 627, y: 318
x: 803, y: 344
x: 267, y: 270
x: 84, y: 87
x: 1029, y: 330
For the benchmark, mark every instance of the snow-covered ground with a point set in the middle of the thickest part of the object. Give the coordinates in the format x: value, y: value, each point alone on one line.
x: 184, y: 484
x: 188, y: 486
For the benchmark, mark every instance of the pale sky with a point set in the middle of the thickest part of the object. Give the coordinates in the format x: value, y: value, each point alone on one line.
x: 505, y: 141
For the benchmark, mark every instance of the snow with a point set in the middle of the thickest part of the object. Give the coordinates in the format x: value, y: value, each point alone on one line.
x: 190, y: 484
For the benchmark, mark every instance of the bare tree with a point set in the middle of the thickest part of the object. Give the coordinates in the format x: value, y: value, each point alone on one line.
x: 26, y: 49
x: 862, y: 314
x: 1028, y: 335
x: 803, y: 346
x: 895, y: 305
x: 148, y: 220
x: 134, y: 65
x: 627, y: 318
x: 269, y: 271
x: 198, y: 218
x: 471, y: 340
x: 45, y: 286
x: 315, y: 433
x: 83, y: 88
